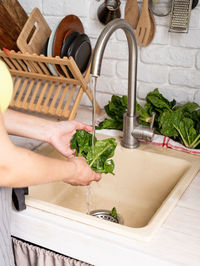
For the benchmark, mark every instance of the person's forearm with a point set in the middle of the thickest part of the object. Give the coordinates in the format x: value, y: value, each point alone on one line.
x: 20, y: 167
x: 28, y: 126
x: 24, y: 168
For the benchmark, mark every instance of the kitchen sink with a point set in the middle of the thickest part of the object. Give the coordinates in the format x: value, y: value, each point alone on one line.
x: 147, y: 184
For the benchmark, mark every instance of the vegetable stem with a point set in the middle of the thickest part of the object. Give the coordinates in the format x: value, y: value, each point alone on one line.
x: 195, y: 142
x: 95, y: 158
x: 185, y: 142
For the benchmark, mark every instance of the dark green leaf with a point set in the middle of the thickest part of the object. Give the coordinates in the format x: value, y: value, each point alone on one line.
x: 159, y: 101
x: 145, y: 113
x: 116, y: 107
x: 98, y: 157
x: 110, y: 124
x: 113, y: 213
x: 167, y: 121
x: 187, y: 132
x: 187, y: 108
x: 170, y: 120
x: 81, y: 141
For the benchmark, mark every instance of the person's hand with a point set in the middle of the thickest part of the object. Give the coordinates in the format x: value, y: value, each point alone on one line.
x: 83, y: 175
x: 61, y: 133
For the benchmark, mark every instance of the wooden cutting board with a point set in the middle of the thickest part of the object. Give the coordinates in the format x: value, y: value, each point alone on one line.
x: 12, y: 19
x: 34, y: 34
x: 16, y: 11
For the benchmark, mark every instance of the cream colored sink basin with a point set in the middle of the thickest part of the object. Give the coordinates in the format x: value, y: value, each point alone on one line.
x: 147, y: 184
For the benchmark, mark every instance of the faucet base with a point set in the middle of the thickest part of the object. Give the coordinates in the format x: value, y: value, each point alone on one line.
x: 129, y: 146
x: 128, y: 140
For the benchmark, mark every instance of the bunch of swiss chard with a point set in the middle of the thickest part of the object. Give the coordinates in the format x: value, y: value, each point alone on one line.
x: 97, y: 157
x: 179, y: 122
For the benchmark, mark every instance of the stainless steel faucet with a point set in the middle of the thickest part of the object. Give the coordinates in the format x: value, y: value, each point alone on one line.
x: 131, y: 130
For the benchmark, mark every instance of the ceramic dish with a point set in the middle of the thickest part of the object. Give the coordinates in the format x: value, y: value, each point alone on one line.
x: 50, y: 49
x: 70, y: 22
x: 44, y: 49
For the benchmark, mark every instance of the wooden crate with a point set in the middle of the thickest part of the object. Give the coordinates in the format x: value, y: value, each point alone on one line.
x: 37, y: 90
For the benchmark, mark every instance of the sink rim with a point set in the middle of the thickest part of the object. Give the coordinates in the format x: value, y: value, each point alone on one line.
x: 146, y: 232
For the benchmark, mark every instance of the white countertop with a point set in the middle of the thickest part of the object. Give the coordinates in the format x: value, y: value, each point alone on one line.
x: 177, y: 242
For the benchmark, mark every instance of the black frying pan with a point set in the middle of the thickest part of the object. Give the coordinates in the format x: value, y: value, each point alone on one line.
x: 81, y: 50
x: 66, y: 44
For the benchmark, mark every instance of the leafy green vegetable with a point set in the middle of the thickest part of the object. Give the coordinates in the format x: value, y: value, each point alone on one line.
x: 187, y: 108
x: 145, y: 113
x: 113, y: 213
x: 195, y: 116
x: 179, y: 122
x: 110, y: 124
x: 189, y: 135
x: 82, y: 142
x: 98, y: 157
x: 159, y: 102
x: 115, y: 109
x: 167, y: 120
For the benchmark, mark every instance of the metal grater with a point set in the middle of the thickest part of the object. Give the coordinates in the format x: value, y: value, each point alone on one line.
x: 180, y: 16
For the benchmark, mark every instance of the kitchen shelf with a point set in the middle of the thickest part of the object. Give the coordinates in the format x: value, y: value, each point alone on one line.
x: 37, y: 90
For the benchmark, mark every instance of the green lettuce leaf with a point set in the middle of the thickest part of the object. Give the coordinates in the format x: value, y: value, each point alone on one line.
x: 110, y: 124
x: 113, y: 213
x: 189, y: 135
x: 97, y: 157
x: 159, y: 102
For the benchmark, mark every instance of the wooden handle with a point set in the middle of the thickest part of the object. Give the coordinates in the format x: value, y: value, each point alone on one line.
x: 132, y: 13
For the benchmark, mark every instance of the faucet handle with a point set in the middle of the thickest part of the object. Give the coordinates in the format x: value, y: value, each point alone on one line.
x: 145, y: 132
x: 152, y: 120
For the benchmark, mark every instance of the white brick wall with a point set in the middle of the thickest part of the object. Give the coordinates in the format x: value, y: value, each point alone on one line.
x: 171, y: 63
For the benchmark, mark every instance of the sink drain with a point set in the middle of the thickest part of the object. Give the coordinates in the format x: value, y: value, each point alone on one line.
x: 105, y: 215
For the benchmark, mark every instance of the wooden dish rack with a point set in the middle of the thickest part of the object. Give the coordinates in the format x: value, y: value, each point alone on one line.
x: 37, y: 90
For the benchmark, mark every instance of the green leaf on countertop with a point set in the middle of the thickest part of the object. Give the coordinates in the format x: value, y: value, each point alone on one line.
x: 97, y: 157
x: 174, y: 124
x: 116, y: 107
x: 159, y: 102
x: 167, y: 121
x: 110, y: 124
x: 170, y: 119
x: 145, y: 113
x: 187, y: 108
x: 189, y: 135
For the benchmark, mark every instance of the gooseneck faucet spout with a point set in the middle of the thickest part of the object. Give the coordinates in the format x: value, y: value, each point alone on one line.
x: 129, y: 120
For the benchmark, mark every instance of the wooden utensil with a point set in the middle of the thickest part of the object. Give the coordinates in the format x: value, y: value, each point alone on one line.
x: 12, y: 19
x: 41, y: 33
x: 153, y: 28
x: 16, y: 11
x: 132, y: 12
x: 143, y: 29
